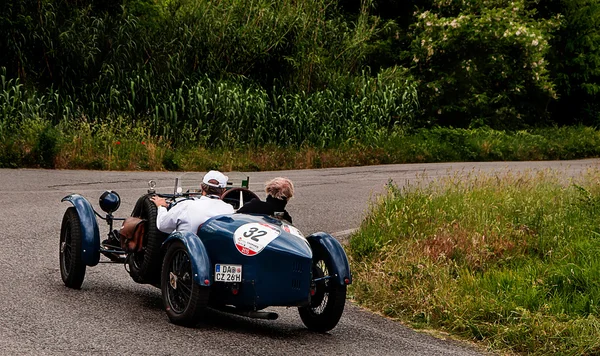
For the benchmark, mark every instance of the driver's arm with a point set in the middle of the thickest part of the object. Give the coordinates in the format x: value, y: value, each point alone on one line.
x: 167, y: 220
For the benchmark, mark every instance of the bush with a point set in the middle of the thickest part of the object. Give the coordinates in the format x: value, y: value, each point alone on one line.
x: 483, y: 63
x: 574, y: 60
x: 46, y: 147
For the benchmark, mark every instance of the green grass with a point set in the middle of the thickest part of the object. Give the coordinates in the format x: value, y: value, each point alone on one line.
x: 225, y: 113
x: 508, y: 260
x: 118, y: 145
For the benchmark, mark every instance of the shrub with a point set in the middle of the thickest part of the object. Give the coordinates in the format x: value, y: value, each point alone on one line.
x: 574, y: 60
x: 482, y: 63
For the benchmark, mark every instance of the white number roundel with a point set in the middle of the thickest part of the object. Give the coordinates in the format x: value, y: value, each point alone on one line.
x: 250, y: 239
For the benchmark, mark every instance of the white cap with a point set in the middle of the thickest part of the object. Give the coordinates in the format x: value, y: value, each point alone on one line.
x: 215, y: 179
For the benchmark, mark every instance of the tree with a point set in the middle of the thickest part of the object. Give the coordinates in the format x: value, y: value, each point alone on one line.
x: 575, y: 60
x: 482, y: 63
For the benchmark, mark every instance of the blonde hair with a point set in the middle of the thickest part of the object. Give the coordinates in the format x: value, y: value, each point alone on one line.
x: 280, y: 188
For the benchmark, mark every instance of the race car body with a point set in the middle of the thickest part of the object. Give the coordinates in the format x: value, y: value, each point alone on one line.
x: 236, y: 263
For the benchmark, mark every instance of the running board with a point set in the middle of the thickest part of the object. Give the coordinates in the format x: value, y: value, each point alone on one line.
x: 249, y: 313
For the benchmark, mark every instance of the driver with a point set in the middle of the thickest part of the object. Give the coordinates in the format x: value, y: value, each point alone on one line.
x: 188, y: 215
x: 279, y: 190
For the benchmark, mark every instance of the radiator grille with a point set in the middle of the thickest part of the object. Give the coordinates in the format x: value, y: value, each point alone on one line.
x: 297, y: 267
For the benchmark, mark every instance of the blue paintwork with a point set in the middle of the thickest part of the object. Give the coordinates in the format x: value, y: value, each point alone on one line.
x: 198, y: 255
x: 90, y: 243
x: 280, y: 275
x: 336, y: 253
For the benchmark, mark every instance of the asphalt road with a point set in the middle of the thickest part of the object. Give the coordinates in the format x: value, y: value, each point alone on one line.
x: 112, y: 315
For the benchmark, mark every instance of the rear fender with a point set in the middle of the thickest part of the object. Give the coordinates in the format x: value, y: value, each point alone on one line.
x: 198, y: 255
x: 336, y: 254
x: 90, y: 243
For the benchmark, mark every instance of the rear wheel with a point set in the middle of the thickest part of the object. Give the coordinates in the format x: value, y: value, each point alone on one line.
x: 327, y: 304
x: 72, y: 268
x: 184, y: 300
x: 144, y: 266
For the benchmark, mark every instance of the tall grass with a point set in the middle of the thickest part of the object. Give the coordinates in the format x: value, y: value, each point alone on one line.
x: 220, y: 113
x: 214, y: 73
x: 510, y: 260
x: 368, y: 123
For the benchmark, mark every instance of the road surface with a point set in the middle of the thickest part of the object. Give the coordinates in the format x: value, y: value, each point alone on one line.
x: 112, y: 315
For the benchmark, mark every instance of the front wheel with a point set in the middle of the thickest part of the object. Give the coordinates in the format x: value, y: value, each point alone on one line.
x: 72, y: 268
x: 327, y: 304
x: 184, y: 300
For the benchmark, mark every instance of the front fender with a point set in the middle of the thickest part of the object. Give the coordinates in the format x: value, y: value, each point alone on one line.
x: 198, y: 255
x: 90, y: 243
x: 336, y: 253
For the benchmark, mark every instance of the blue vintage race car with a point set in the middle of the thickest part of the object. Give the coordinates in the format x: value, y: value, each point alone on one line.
x: 235, y: 263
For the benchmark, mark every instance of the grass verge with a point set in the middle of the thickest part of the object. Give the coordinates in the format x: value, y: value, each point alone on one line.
x: 507, y: 260
x: 120, y: 146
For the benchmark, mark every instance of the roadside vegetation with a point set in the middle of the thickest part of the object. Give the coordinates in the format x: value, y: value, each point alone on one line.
x: 171, y: 84
x: 119, y: 146
x: 509, y: 260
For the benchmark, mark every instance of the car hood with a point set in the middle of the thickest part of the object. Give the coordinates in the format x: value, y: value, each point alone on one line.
x: 251, y: 235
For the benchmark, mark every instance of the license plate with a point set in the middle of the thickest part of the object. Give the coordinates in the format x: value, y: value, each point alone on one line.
x: 228, y: 273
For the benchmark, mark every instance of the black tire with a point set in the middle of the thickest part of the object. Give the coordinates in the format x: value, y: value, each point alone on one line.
x: 185, y: 301
x: 144, y: 266
x: 327, y: 304
x: 72, y: 268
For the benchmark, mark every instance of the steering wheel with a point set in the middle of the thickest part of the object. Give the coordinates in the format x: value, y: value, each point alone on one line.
x: 238, y: 196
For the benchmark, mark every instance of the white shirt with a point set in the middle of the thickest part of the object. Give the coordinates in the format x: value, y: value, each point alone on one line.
x: 188, y: 215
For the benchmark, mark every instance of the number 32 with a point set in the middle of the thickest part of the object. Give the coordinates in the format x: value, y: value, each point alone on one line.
x: 254, y: 233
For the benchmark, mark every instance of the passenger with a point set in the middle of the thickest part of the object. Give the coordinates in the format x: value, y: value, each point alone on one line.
x: 279, y: 191
x: 188, y: 215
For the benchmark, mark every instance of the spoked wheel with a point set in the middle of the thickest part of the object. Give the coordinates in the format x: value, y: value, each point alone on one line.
x: 327, y: 304
x: 184, y: 300
x: 144, y: 266
x: 72, y: 268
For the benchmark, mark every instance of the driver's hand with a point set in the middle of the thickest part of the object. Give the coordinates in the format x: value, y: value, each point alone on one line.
x: 158, y: 201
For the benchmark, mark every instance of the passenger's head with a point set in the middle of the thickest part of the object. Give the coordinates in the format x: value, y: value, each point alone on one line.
x: 280, y: 188
x: 214, y: 183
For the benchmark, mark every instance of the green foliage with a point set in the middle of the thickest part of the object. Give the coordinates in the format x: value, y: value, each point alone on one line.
x: 575, y: 61
x: 295, y: 44
x: 510, y: 83
x: 46, y: 147
x: 318, y: 73
x: 447, y: 145
x: 508, y: 259
x: 170, y: 161
x: 494, y: 63
x: 226, y: 113
x: 214, y: 73
x: 365, y: 123
x: 482, y: 63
